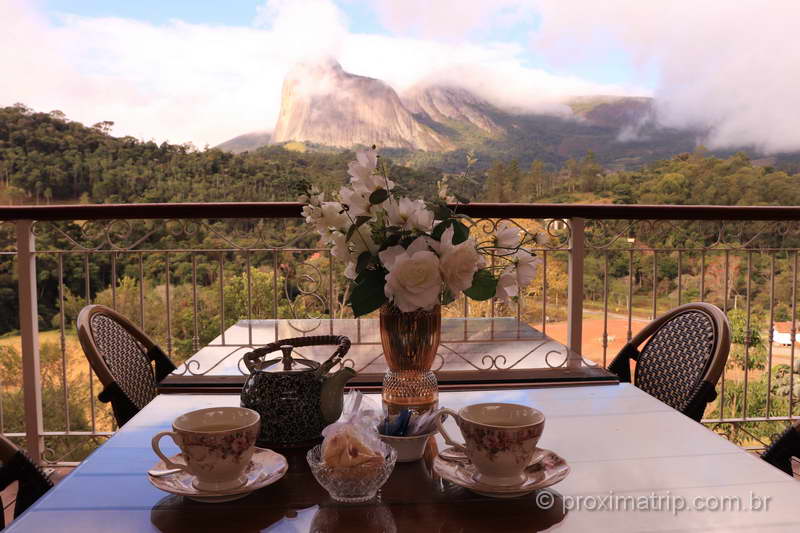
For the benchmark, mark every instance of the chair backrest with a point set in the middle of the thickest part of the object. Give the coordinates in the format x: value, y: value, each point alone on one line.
x: 686, y: 346
x: 17, y: 466
x: 117, y: 351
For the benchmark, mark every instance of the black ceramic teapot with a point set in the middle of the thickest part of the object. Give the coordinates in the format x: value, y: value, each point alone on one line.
x: 298, y: 397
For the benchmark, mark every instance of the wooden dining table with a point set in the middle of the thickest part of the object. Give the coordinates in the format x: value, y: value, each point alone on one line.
x: 636, y: 465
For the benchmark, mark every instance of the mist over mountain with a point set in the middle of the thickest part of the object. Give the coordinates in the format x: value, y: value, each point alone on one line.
x: 322, y: 105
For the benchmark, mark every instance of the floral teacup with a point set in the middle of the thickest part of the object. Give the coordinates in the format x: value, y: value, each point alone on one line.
x: 216, y: 443
x: 499, y: 439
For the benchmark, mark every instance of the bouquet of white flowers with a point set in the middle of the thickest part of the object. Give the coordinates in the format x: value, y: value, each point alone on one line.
x: 412, y: 253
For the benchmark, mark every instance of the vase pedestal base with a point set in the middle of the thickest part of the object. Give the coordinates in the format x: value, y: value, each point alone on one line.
x: 414, y: 390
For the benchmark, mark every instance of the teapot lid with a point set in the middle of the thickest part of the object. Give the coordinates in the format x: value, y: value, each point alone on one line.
x: 253, y: 362
x: 288, y: 362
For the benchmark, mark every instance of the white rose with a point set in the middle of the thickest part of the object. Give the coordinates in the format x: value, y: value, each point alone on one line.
x: 459, y: 262
x: 414, y: 281
x: 409, y: 214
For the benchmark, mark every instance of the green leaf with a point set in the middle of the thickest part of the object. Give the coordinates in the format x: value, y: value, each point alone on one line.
x: 460, y: 232
x: 360, y: 221
x: 442, y: 212
x: 367, y: 295
x: 391, y: 240
x: 439, y: 229
x: 364, y: 259
x: 484, y: 286
x: 378, y: 196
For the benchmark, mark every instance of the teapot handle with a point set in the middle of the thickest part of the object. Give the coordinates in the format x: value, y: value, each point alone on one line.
x: 343, y: 346
x: 251, y: 359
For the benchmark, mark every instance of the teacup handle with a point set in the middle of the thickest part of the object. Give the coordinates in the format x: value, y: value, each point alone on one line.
x: 443, y: 413
x: 160, y: 454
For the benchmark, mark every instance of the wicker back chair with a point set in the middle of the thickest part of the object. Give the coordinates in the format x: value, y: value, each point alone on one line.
x: 787, y: 445
x: 122, y: 356
x: 683, y: 358
x: 17, y: 466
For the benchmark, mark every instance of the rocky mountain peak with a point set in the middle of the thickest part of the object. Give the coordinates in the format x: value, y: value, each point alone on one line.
x: 322, y: 103
x: 445, y: 102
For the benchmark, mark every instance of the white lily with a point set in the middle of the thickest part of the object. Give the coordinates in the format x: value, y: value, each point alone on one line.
x: 518, y: 274
x: 348, y: 251
x: 363, y: 173
x: 357, y: 201
x: 327, y: 218
x: 409, y: 214
x: 506, y: 236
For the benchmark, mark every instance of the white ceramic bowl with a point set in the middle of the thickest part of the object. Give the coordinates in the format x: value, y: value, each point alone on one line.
x: 409, y: 449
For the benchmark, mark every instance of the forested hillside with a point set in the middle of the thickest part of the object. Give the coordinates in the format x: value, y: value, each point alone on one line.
x: 44, y: 158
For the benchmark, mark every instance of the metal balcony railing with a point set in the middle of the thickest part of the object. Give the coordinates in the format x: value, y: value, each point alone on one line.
x: 187, y: 272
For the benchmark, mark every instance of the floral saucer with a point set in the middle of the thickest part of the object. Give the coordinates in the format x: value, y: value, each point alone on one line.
x: 265, y: 468
x: 546, y: 469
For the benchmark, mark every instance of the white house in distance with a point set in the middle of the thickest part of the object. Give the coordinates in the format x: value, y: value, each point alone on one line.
x: 782, y: 333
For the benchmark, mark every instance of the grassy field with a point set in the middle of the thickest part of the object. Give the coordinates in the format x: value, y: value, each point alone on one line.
x: 77, y: 366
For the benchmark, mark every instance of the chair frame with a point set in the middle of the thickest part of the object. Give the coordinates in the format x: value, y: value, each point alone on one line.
x: 123, y: 406
x: 705, y: 390
x: 779, y: 454
x: 17, y: 466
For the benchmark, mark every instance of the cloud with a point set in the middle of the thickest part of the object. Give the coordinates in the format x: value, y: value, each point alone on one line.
x: 178, y: 82
x: 306, y: 29
x: 727, y: 66
x: 722, y: 66
x: 31, y: 64
x: 207, y: 83
x: 186, y: 82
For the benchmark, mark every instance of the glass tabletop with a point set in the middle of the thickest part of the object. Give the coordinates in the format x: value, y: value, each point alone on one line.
x: 471, y: 350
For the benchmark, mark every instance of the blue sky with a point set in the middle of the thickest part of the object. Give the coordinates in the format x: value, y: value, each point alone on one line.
x: 227, y: 12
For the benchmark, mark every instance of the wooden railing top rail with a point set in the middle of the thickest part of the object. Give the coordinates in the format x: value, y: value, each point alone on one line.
x: 483, y: 210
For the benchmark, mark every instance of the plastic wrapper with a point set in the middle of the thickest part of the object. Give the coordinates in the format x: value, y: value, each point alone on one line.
x: 353, y: 440
x: 408, y: 424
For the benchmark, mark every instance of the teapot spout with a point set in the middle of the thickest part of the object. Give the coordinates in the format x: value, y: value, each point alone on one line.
x: 333, y: 393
